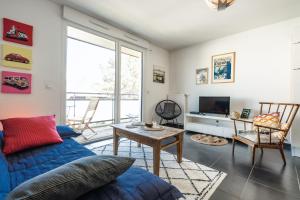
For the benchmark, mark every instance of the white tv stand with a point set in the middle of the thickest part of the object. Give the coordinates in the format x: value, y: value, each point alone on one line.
x: 210, y: 124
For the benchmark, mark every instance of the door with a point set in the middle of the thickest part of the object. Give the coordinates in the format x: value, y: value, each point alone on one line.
x: 106, y: 69
x: 91, y: 69
x: 130, y: 90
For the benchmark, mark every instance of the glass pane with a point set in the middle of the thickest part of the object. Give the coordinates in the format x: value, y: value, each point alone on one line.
x: 90, y: 76
x: 131, y: 84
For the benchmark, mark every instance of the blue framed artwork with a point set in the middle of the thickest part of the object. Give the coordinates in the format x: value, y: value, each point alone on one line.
x: 223, y: 68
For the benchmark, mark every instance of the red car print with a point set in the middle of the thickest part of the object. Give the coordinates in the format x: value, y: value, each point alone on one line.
x: 16, y: 58
x: 17, y: 82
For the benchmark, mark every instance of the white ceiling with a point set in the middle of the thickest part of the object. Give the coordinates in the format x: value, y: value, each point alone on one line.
x: 174, y: 24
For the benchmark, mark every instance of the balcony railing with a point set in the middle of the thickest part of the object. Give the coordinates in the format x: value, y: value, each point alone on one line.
x: 77, y: 103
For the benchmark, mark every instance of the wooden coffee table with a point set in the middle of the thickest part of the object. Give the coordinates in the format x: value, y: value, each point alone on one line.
x: 150, y: 138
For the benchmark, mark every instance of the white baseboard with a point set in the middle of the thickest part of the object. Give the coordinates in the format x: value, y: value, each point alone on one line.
x: 295, y: 151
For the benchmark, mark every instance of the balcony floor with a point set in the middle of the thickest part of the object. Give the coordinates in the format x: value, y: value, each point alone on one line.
x: 102, y: 133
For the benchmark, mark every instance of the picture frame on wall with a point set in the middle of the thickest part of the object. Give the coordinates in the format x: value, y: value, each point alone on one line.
x: 223, y: 68
x: 16, y: 57
x: 15, y: 82
x: 245, y: 113
x: 202, y: 76
x: 17, y: 32
x: 159, y: 76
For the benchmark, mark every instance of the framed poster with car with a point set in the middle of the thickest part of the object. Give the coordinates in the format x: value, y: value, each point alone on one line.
x: 17, y: 32
x: 16, y: 57
x: 15, y: 83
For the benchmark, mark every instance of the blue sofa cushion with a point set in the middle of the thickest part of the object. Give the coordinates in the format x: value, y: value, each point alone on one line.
x: 82, y: 175
x: 30, y: 163
x: 25, y: 165
x: 135, y: 183
x: 4, y: 175
x: 66, y: 131
x: 1, y: 139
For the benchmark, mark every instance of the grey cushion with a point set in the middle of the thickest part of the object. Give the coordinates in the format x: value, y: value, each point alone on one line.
x: 73, y: 179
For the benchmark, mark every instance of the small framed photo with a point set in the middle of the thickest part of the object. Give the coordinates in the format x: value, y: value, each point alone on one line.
x: 202, y: 76
x: 245, y: 113
x: 158, y: 76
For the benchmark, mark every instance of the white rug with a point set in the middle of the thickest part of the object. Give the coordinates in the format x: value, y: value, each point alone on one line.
x: 194, y: 180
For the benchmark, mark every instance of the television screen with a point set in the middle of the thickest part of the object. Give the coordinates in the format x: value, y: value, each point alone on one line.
x: 217, y: 105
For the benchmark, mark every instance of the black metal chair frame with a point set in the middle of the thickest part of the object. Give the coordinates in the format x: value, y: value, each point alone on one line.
x: 169, y: 118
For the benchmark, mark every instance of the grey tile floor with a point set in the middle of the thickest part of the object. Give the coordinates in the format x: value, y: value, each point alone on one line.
x: 268, y: 178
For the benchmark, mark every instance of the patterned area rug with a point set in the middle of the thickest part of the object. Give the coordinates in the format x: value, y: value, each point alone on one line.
x: 194, y: 180
x: 209, y: 140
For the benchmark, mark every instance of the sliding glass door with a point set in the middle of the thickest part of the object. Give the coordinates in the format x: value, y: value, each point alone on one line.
x: 103, y: 70
x: 130, y: 84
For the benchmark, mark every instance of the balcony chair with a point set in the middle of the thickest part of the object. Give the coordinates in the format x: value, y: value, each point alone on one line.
x: 84, y: 123
x: 262, y: 136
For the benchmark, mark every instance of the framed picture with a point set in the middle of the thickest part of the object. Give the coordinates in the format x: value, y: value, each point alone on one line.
x: 202, y: 76
x: 245, y: 113
x: 158, y: 76
x: 223, y: 68
x: 16, y: 57
x: 17, y: 32
x: 15, y: 83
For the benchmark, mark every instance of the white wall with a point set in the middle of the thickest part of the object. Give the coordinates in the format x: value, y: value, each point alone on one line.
x: 48, y: 62
x: 155, y: 92
x: 263, y: 58
x: 45, y: 17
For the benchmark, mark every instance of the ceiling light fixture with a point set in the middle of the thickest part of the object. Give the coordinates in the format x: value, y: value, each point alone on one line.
x: 219, y: 4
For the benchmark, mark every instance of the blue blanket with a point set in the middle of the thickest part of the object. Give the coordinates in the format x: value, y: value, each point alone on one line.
x: 134, y: 184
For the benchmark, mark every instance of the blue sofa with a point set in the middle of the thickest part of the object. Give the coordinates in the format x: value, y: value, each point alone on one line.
x: 135, y: 183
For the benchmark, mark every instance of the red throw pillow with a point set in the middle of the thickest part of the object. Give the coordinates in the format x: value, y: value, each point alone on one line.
x: 25, y: 133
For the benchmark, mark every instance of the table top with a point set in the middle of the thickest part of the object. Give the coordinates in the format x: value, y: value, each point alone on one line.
x: 157, y: 135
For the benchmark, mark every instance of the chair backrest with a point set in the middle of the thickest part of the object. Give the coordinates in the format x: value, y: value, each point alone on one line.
x: 91, y: 109
x: 169, y: 107
x: 288, y: 112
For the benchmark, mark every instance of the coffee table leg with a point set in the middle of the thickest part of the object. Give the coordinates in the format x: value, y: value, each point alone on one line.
x: 156, y: 158
x: 115, y: 142
x: 179, y: 147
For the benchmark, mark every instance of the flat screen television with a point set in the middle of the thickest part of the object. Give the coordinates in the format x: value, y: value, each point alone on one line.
x: 216, y: 105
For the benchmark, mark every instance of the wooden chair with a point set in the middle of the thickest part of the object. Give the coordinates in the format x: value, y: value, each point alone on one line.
x: 274, y: 138
x: 84, y: 123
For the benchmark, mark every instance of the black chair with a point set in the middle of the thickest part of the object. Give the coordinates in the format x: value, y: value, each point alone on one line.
x: 168, y: 110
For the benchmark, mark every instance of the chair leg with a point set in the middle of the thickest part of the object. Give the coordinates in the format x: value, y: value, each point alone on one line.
x: 282, y: 154
x: 253, y: 154
x: 233, y: 146
x: 262, y: 150
x: 90, y: 136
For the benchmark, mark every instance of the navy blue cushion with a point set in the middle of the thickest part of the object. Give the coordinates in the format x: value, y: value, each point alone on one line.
x: 4, y: 177
x: 82, y: 175
x: 66, y: 131
x: 25, y: 165
x: 1, y: 139
x: 32, y: 162
x: 135, y: 183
